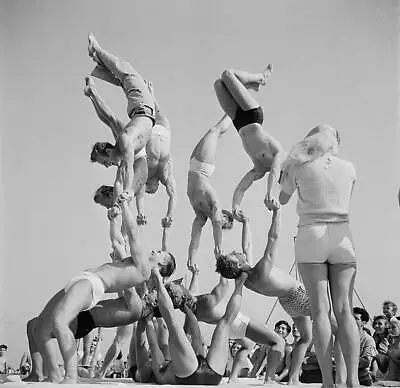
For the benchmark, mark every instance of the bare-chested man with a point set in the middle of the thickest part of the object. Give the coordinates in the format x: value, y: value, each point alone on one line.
x: 141, y: 111
x: 266, y: 153
x: 85, y: 290
x: 159, y: 166
x: 202, y: 196
x: 266, y: 279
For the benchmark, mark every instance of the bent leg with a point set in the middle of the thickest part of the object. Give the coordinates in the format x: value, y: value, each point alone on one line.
x: 315, y: 277
x: 342, y: 277
x: 217, y: 356
x: 304, y: 325
x: 261, y: 335
x: 36, y: 373
x: 184, y: 360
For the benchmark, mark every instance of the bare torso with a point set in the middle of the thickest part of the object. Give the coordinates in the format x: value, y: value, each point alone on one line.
x: 158, y: 150
x: 259, y: 145
x: 120, y: 275
x: 268, y: 280
x: 201, y: 194
x: 208, y: 309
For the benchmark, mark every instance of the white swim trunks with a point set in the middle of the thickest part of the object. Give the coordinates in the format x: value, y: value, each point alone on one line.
x: 239, y: 327
x: 202, y: 168
x: 325, y: 243
x: 96, y: 283
x: 140, y: 154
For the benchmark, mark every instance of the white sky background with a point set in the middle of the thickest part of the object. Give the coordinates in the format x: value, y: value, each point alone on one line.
x: 335, y: 62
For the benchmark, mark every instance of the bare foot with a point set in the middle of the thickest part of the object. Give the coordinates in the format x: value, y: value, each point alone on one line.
x: 53, y: 379
x: 69, y: 380
x: 266, y: 73
x: 294, y: 382
x: 90, y: 85
x: 33, y: 378
x: 93, y: 45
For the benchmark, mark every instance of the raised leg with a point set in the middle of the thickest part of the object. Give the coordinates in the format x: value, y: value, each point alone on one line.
x: 217, y: 356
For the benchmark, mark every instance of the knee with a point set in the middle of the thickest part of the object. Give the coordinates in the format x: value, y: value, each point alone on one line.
x: 218, y: 85
x: 227, y: 75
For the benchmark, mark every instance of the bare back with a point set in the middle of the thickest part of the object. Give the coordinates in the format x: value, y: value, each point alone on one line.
x: 209, y: 309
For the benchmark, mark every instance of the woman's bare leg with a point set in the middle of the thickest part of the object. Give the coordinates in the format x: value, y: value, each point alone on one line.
x: 315, y: 277
x: 341, y: 279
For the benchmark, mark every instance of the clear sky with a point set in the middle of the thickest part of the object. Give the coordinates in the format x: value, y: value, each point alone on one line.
x: 335, y: 62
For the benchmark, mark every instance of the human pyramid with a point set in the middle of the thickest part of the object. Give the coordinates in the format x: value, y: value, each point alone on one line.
x: 141, y: 153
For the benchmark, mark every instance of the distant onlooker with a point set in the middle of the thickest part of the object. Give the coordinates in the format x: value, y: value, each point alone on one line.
x: 25, y: 364
x: 381, y: 335
x: 367, y: 347
x: 239, y: 349
x: 390, y: 362
x: 3, y: 359
x: 389, y: 309
x: 282, y: 371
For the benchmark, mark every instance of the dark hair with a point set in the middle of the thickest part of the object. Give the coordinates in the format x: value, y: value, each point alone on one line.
x: 101, y: 191
x: 168, y: 268
x: 5, y: 347
x: 180, y: 296
x: 379, y: 317
x: 229, y: 219
x: 228, y: 269
x: 100, y: 148
x: 362, y: 312
x: 390, y: 303
x: 283, y: 322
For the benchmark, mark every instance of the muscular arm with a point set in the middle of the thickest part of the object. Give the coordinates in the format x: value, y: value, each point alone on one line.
x: 216, y: 220
x: 197, y: 227
x: 247, y: 241
x: 243, y: 186
x: 168, y: 180
x: 193, y: 328
x: 273, y: 176
x: 117, y: 239
x: 139, y: 259
x: 194, y: 282
x: 105, y: 114
x: 273, y: 233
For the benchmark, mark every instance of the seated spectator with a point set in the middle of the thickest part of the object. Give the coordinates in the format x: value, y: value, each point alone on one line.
x: 367, y: 347
x: 282, y: 371
x: 3, y: 359
x: 295, y: 334
x: 389, y: 309
x: 390, y: 362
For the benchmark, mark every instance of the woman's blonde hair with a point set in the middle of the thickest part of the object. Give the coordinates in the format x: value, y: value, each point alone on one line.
x: 321, y: 140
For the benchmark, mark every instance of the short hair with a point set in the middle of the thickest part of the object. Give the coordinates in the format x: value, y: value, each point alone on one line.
x: 100, y: 148
x: 5, y: 347
x: 228, y: 268
x: 390, y: 303
x: 228, y: 220
x: 283, y: 322
x: 103, y: 190
x: 379, y: 317
x: 168, y: 268
x: 152, y: 185
x: 362, y: 312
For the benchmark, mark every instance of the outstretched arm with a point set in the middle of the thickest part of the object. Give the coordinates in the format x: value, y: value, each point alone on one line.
x: 194, y: 282
x: 273, y: 233
x: 168, y: 180
x: 243, y: 186
x: 193, y: 328
x: 104, y: 113
x: 197, y: 227
x: 220, y: 290
x: 273, y: 177
x: 216, y: 220
x: 247, y: 247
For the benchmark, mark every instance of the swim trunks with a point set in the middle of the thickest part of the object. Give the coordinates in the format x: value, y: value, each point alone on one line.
x: 95, y: 281
x: 203, y: 375
x: 239, y: 327
x: 325, y: 243
x: 85, y: 324
x: 202, y: 168
x: 296, y: 302
x: 246, y: 117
